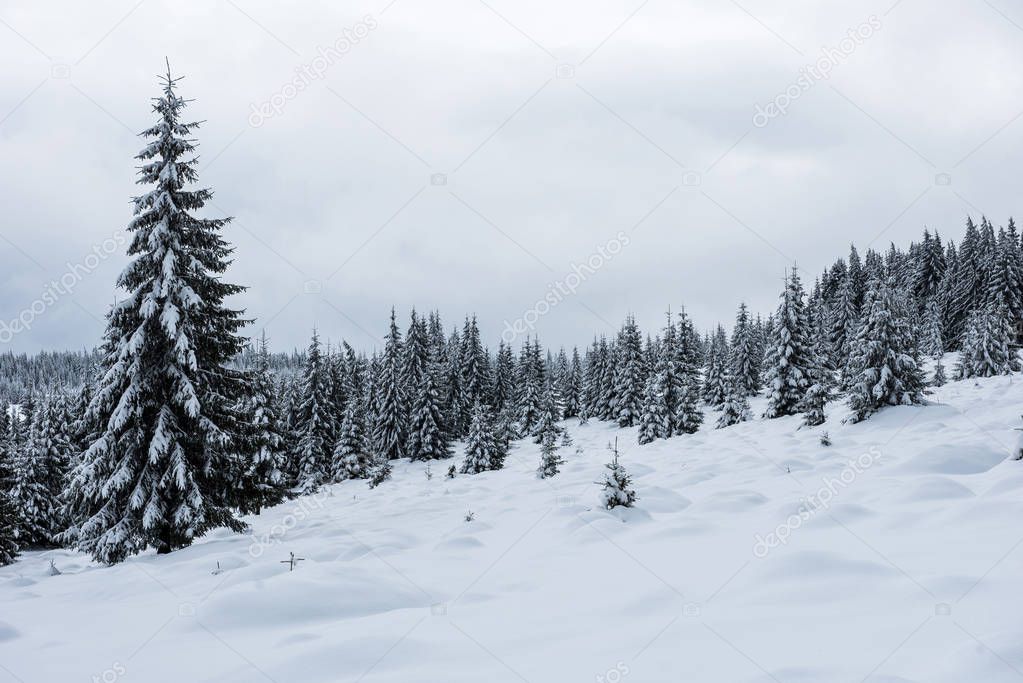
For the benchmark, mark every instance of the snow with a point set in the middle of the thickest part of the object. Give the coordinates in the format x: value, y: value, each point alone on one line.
x: 900, y: 562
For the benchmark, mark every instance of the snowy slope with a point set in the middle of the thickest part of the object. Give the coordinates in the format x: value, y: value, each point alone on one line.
x: 906, y: 567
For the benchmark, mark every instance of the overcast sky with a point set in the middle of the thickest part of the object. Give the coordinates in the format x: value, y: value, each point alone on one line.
x: 480, y: 156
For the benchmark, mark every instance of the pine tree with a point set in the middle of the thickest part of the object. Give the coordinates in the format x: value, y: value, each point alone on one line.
x: 531, y: 382
x: 938, y: 379
x: 821, y: 375
x: 313, y: 422
x: 714, y: 385
x: 789, y: 357
x: 573, y: 386
x: 656, y: 420
x: 39, y: 468
x: 165, y: 408
x: 351, y: 458
x: 549, y: 416
x: 616, y: 489
x: 629, y: 375
x: 607, y: 393
x: 482, y: 452
x: 931, y: 338
x: 388, y: 430
x: 474, y: 367
x: 965, y: 293
x: 263, y: 481
x: 844, y: 321
x: 745, y: 358
x: 884, y: 367
x: 987, y: 349
x: 427, y: 438
x: 504, y: 377
x: 591, y: 383
x: 735, y: 407
x: 9, y: 520
x: 550, y: 461
x: 1005, y: 286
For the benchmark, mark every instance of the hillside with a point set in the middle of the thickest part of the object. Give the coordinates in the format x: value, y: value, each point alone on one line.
x: 906, y: 567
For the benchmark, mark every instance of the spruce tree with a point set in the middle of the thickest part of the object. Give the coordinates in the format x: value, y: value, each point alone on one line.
x: 735, y: 407
x: 504, y: 377
x: 351, y: 457
x: 550, y: 461
x: 531, y: 383
x: 482, y: 452
x: 629, y: 374
x: 987, y: 348
x: 884, y: 368
x: 715, y: 377
x: 616, y: 490
x: 264, y: 482
x: 388, y: 430
x: 36, y: 485
x: 745, y: 359
x: 165, y: 409
x: 789, y: 357
x: 656, y: 420
x: 313, y: 425
x: 427, y: 438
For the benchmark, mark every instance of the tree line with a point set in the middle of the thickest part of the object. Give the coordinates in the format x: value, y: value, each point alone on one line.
x: 181, y: 426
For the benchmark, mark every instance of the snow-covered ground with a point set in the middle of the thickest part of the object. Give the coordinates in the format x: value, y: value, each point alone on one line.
x: 901, y: 561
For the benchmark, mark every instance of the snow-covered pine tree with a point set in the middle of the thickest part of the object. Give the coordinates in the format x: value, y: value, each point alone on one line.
x: 571, y: 392
x: 939, y: 378
x: 884, y: 367
x: 735, y: 407
x: 715, y: 379
x: 843, y: 322
x: 313, y: 425
x: 550, y: 461
x: 591, y: 383
x: 931, y: 342
x: 456, y: 413
x: 504, y: 377
x: 789, y: 356
x: 475, y: 368
x: 482, y: 452
x: 1005, y: 284
x: 427, y: 438
x: 388, y: 430
x: 608, y: 396
x: 263, y: 482
x: 656, y: 419
x: 987, y: 348
x: 745, y: 359
x: 629, y: 374
x: 166, y: 406
x: 617, y: 487
x: 531, y: 380
x: 687, y: 415
x: 549, y: 415
x: 821, y: 373
x: 930, y: 267
x: 351, y: 458
x: 965, y: 293
x: 9, y: 518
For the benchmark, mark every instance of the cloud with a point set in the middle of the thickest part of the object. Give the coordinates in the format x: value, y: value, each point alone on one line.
x: 463, y: 155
